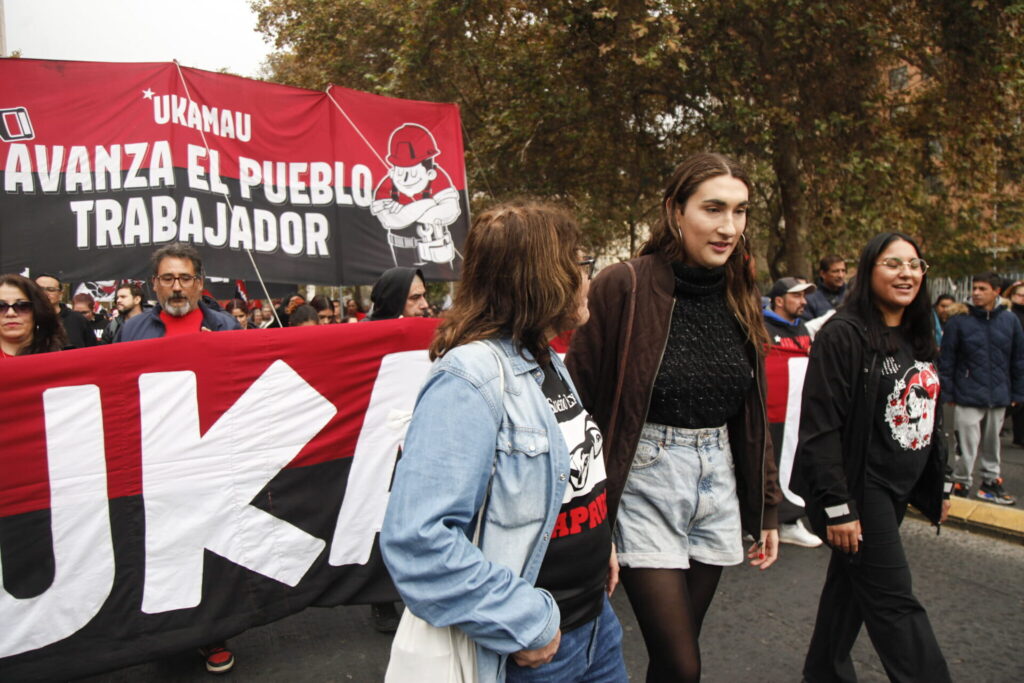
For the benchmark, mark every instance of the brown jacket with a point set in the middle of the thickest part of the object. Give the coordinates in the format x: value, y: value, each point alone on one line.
x: 614, y: 359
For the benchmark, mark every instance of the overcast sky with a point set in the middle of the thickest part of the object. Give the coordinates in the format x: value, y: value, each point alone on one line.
x: 205, y: 34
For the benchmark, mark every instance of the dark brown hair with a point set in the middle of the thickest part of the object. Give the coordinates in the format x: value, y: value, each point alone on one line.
x: 990, y: 278
x: 742, y: 293
x: 181, y: 250
x: 520, y: 279
x: 48, y: 334
x: 236, y: 303
x: 321, y: 303
x: 827, y: 262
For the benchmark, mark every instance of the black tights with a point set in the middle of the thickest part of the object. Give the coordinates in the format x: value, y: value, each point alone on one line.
x: 670, y: 605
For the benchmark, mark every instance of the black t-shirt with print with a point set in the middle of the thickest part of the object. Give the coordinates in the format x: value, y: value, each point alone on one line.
x: 575, y: 568
x: 908, y: 394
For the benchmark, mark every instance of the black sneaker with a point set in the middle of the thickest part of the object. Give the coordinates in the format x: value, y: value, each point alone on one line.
x: 384, y: 617
x: 993, y: 492
x: 960, y: 489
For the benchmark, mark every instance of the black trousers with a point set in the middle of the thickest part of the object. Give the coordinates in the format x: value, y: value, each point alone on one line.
x: 873, y: 587
x: 1017, y: 412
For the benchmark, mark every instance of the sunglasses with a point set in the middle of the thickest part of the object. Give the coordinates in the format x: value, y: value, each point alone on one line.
x: 20, y: 307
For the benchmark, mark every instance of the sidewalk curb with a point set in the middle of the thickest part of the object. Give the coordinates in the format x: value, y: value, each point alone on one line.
x: 989, y: 517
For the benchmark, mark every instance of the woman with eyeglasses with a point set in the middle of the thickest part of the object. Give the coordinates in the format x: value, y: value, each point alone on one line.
x: 672, y: 366
x: 870, y: 443
x: 28, y: 323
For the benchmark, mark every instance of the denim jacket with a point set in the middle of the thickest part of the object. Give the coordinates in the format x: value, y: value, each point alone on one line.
x: 463, y: 437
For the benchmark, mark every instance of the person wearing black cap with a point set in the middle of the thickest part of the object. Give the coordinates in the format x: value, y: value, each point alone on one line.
x: 789, y: 346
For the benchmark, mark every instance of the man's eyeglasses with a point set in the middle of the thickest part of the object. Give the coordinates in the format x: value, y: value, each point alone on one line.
x: 49, y: 289
x: 587, y: 266
x: 167, y: 279
x: 915, y: 264
x: 20, y: 307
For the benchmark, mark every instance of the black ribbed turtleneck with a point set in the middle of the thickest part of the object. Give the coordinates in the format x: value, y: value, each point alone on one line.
x: 704, y: 373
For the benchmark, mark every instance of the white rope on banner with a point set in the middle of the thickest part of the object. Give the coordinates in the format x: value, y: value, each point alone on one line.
x: 355, y: 127
x: 384, y: 163
x: 362, y: 137
x: 231, y: 208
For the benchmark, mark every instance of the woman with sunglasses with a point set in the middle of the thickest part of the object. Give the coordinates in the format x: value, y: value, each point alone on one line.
x: 28, y: 323
x: 870, y: 443
x: 672, y: 366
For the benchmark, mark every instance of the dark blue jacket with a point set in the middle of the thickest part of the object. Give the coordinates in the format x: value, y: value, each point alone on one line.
x: 823, y: 300
x: 147, y: 325
x: 982, y: 358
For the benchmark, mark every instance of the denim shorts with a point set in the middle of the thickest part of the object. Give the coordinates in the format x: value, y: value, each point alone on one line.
x: 679, y: 502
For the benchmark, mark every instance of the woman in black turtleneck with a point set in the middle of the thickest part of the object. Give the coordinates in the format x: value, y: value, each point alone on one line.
x: 671, y: 367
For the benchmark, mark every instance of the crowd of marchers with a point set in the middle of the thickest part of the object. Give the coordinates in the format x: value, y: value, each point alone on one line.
x: 694, y: 413
x: 88, y: 321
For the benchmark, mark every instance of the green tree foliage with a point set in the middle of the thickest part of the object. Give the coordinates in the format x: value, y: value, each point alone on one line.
x: 592, y: 103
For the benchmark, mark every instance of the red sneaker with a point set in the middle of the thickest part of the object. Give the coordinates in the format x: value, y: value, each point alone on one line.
x: 219, y: 659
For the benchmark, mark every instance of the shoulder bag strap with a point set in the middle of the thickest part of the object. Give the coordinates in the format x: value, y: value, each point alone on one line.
x: 494, y: 464
x: 631, y: 313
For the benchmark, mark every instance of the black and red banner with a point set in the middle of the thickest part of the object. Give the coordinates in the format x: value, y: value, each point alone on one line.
x: 101, y: 163
x: 159, y: 495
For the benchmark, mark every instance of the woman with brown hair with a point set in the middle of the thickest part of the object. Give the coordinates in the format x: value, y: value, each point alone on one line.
x: 498, y: 432
x: 28, y: 323
x: 671, y: 366
x: 238, y: 310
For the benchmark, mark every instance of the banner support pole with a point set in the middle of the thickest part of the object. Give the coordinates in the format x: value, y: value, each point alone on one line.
x: 231, y: 208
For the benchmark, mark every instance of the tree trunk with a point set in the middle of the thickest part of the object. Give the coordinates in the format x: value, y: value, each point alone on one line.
x: 786, y: 163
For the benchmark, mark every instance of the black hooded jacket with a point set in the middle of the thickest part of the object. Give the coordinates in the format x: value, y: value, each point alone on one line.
x: 391, y: 291
x: 840, y: 388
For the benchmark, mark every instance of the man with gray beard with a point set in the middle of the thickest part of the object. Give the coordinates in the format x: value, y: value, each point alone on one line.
x: 178, y: 283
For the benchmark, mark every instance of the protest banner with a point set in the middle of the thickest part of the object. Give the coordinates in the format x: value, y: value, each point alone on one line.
x: 160, y: 495
x: 100, y: 163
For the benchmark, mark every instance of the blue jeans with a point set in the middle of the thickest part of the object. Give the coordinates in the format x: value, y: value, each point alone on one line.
x: 591, y: 653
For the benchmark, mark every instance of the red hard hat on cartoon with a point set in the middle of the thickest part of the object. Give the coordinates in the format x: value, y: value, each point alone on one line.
x: 411, y: 144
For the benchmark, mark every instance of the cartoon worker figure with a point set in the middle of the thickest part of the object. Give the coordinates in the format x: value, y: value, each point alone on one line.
x: 416, y: 191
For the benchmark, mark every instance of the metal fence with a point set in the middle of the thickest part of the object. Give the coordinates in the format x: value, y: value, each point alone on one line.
x: 960, y: 288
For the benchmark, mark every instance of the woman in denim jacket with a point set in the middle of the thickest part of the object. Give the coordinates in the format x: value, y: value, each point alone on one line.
x: 532, y: 595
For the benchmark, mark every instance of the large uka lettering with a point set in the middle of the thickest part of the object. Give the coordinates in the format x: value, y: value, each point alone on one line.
x: 196, y: 491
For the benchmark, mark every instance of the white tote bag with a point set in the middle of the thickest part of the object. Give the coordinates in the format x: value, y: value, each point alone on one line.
x: 421, y: 653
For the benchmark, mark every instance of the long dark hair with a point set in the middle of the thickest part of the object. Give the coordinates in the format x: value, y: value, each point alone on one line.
x: 520, y: 279
x: 917, y: 324
x: 741, y: 289
x: 47, y: 334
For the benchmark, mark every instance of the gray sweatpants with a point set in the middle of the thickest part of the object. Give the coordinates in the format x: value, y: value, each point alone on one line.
x: 967, y: 420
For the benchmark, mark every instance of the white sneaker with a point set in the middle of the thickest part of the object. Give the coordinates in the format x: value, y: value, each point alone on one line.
x: 796, y: 534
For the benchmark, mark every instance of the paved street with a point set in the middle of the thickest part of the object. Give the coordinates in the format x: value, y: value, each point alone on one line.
x: 757, y: 630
